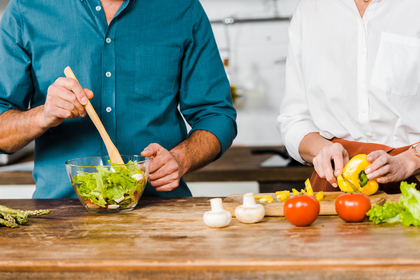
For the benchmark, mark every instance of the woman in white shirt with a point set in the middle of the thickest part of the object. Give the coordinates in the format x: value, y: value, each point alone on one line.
x: 353, y: 73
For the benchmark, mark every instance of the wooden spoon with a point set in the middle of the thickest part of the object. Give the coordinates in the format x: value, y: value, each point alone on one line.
x: 113, y: 153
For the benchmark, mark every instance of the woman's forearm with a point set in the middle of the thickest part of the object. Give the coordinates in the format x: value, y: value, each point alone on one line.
x: 311, y: 145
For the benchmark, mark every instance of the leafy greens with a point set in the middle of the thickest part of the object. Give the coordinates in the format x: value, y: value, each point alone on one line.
x: 106, y: 187
x: 406, y: 211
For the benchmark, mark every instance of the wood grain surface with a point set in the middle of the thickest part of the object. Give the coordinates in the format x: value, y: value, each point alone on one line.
x: 166, y: 239
x: 275, y: 209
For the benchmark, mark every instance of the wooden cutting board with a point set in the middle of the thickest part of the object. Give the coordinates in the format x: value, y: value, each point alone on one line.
x: 327, y: 204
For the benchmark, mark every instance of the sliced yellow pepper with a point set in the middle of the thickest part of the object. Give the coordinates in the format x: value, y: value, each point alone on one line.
x: 267, y: 199
x: 283, y: 196
x: 319, y: 196
x: 345, y: 185
x: 295, y: 192
x: 354, y: 171
x: 308, y: 188
x: 258, y: 197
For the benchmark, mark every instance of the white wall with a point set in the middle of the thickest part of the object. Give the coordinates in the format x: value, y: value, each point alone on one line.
x: 257, y: 54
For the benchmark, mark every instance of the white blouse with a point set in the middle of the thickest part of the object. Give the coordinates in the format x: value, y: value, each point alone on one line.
x: 351, y: 77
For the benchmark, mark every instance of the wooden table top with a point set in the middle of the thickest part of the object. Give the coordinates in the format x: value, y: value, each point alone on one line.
x: 237, y: 164
x: 167, y: 239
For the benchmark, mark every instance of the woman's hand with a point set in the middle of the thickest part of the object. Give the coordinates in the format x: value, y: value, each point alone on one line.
x: 322, y: 162
x: 387, y: 168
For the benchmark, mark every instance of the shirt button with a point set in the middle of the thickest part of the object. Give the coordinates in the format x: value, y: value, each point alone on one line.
x: 108, y: 40
x: 363, y: 111
x: 98, y: 8
x: 362, y: 82
x: 362, y: 51
x: 108, y: 109
x: 108, y: 74
x: 369, y: 135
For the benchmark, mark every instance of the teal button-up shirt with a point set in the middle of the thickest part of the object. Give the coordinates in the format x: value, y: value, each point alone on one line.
x: 155, y: 63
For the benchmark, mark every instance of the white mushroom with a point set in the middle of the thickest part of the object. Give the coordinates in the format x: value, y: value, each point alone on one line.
x: 250, y: 212
x: 217, y: 217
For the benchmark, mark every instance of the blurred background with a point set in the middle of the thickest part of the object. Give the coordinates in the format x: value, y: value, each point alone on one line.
x: 252, y: 39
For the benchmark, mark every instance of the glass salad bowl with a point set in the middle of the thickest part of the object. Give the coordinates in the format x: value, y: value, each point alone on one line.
x: 103, y: 187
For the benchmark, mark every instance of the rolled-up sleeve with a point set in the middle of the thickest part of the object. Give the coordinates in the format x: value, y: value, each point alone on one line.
x: 294, y: 121
x: 205, y: 99
x: 16, y: 85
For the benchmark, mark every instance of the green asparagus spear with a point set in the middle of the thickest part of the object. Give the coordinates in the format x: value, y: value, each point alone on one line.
x: 7, y: 223
x: 29, y: 213
x: 12, y: 217
x: 9, y: 220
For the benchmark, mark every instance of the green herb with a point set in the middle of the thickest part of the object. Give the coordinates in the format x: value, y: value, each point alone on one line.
x: 105, y: 186
x: 406, y: 211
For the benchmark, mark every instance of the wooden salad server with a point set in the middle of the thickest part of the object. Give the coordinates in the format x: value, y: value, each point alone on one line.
x: 113, y: 153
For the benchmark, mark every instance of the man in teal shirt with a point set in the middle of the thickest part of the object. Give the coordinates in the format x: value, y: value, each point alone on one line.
x: 149, y: 64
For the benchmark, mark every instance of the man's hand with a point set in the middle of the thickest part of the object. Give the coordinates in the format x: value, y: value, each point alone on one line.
x: 65, y: 100
x: 387, y: 168
x: 165, y: 171
x: 167, y: 167
x: 323, y: 166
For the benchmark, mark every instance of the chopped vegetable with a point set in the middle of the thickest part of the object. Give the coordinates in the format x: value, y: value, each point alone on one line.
x: 319, y: 196
x: 267, y: 198
x: 110, y: 189
x: 308, y: 188
x: 406, y: 211
x: 12, y: 218
x: 258, y: 197
x: 309, y: 191
x: 283, y: 196
x: 345, y: 185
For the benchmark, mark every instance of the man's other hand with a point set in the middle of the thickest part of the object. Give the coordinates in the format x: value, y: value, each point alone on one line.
x: 165, y: 172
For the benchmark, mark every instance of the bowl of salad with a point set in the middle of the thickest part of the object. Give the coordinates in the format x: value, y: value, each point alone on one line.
x: 105, y: 187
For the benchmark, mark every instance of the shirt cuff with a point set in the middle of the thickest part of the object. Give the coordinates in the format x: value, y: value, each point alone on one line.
x: 293, y: 138
x: 222, y: 127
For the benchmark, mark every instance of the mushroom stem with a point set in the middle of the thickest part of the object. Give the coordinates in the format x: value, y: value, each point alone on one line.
x: 216, y: 204
x: 249, y: 200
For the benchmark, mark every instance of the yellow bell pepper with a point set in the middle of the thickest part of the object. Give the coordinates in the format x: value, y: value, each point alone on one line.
x: 283, y: 196
x: 345, y: 185
x: 319, y: 196
x: 308, y: 188
x: 295, y: 192
x: 258, y: 197
x: 354, y: 171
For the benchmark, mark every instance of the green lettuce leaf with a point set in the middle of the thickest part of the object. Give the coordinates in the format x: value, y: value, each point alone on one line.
x: 106, y: 186
x: 406, y: 211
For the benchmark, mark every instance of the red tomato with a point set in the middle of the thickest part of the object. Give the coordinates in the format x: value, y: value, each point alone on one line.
x: 352, y: 207
x: 301, y: 210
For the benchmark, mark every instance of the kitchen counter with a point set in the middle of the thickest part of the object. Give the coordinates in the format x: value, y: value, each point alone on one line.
x: 237, y: 164
x: 167, y: 239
